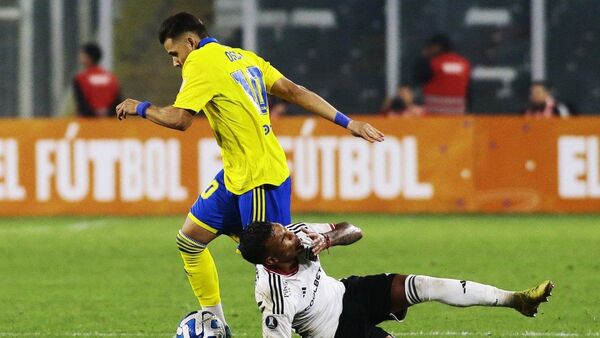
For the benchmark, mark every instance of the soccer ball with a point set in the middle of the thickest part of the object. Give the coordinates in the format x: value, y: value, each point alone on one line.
x: 200, y: 325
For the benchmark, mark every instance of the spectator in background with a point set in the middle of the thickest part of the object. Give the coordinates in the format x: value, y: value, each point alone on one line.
x: 542, y: 104
x: 445, y: 77
x: 402, y: 104
x: 96, y: 89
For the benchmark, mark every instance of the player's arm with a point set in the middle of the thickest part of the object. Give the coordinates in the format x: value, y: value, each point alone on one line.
x: 343, y: 234
x: 276, y: 317
x: 276, y: 326
x: 301, y: 96
x: 170, y: 117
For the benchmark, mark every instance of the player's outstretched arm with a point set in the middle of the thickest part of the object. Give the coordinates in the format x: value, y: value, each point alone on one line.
x: 343, y: 234
x: 291, y: 92
x: 170, y: 117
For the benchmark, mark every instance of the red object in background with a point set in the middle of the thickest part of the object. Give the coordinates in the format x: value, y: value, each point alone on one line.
x: 97, y: 92
x: 446, y: 91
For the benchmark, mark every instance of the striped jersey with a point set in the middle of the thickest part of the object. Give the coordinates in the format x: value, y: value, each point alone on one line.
x: 308, y: 301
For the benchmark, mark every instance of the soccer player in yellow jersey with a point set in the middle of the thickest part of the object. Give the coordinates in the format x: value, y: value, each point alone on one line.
x: 230, y: 85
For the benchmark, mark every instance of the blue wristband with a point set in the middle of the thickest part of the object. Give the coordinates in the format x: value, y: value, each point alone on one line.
x: 142, y: 107
x: 342, y: 120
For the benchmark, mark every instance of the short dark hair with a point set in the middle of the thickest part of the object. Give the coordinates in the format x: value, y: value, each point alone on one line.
x: 92, y: 50
x: 441, y: 40
x: 539, y: 83
x: 180, y: 23
x: 252, y: 241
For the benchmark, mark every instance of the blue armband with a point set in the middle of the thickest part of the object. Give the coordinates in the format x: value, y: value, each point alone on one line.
x: 342, y: 120
x: 142, y: 107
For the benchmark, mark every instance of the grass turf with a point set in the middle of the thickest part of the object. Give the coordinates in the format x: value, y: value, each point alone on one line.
x: 108, y: 276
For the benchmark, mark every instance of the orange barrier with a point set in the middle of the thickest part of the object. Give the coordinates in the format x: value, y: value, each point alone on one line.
x: 468, y: 164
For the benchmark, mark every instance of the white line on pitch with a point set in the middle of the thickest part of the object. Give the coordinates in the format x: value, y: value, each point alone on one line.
x: 85, y: 225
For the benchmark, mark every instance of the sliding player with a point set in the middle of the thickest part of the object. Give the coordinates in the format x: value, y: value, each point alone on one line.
x: 230, y: 85
x: 294, y: 292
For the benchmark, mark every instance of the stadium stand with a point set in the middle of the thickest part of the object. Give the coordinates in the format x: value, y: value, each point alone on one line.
x: 297, y: 36
x: 573, y: 53
x: 352, y: 74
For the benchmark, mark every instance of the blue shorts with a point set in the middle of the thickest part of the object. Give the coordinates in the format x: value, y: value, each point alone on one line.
x: 222, y: 212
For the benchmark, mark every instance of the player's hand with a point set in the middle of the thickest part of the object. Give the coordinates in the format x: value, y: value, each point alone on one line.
x: 319, y: 241
x: 366, y: 131
x: 127, y: 107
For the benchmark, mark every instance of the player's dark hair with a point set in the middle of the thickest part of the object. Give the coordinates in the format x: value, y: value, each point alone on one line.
x: 180, y: 23
x: 92, y: 50
x: 397, y: 105
x: 252, y: 241
x: 441, y: 40
x: 539, y: 83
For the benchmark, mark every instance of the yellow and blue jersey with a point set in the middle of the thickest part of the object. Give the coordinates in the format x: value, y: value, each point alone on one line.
x: 230, y: 85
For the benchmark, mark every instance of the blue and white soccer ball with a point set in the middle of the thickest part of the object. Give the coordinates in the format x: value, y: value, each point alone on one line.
x: 200, y: 325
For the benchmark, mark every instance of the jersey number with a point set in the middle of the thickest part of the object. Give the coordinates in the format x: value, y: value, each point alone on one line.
x: 255, y: 88
x: 212, y: 187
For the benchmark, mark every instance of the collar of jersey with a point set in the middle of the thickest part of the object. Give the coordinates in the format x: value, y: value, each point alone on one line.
x: 206, y: 40
x: 283, y: 273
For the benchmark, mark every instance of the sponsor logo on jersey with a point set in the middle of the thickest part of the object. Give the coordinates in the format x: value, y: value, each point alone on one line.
x: 314, y: 294
x: 271, y: 322
x: 267, y: 129
x: 286, y: 289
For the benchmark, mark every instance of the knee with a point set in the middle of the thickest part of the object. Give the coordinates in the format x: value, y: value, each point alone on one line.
x: 399, y: 301
x: 187, y: 244
x: 398, y: 284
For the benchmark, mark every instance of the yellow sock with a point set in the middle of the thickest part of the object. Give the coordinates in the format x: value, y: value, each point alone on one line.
x: 201, y: 270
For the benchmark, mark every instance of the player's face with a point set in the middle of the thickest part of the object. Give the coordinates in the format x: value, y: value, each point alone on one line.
x: 179, y: 49
x: 283, y: 245
x: 405, y: 93
x: 84, y: 60
x: 538, y: 94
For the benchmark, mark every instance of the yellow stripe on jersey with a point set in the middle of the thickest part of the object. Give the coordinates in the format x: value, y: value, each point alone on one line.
x: 264, y: 205
x: 255, y: 211
x: 254, y: 205
x: 258, y: 205
x: 230, y: 85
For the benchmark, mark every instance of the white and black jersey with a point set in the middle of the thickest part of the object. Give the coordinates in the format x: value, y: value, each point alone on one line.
x: 308, y: 301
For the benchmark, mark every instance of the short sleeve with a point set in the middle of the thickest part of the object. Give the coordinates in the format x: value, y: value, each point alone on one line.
x: 270, y: 73
x: 277, y: 312
x: 320, y: 228
x: 276, y: 301
x: 276, y: 326
x: 196, y: 89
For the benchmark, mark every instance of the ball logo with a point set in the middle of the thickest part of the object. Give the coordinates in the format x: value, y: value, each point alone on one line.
x: 271, y: 322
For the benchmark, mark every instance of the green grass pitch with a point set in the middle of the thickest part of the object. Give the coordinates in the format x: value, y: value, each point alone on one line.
x: 123, y: 277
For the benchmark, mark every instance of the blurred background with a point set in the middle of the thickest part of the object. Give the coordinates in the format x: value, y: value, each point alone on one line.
x: 89, y: 207
x: 354, y: 53
x: 482, y: 61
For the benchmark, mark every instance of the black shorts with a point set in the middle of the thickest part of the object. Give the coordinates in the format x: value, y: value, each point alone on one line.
x: 367, y: 302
